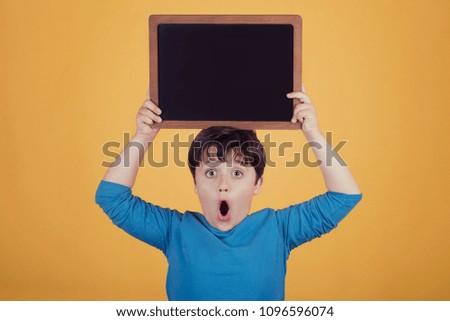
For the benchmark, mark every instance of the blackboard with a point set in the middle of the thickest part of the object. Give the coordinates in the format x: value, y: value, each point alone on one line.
x: 225, y: 70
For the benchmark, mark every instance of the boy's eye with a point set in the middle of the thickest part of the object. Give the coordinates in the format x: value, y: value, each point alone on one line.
x: 210, y: 173
x: 237, y: 173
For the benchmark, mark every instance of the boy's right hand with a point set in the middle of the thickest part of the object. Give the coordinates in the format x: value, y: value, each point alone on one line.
x: 147, y: 115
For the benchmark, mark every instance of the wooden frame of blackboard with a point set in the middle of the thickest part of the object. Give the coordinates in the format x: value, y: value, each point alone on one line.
x: 294, y: 20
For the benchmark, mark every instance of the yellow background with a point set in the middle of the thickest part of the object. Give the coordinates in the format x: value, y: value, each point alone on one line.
x: 73, y: 74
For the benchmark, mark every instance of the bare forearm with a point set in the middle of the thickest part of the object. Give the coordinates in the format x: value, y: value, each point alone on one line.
x: 125, y: 167
x: 336, y: 174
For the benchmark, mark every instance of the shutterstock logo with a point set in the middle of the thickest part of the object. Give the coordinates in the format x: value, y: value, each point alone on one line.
x: 174, y: 151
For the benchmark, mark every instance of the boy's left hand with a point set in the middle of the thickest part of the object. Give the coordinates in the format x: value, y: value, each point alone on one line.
x: 304, y: 112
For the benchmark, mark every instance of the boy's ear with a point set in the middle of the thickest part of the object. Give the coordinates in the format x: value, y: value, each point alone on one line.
x: 195, y: 189
x: 258, y: 186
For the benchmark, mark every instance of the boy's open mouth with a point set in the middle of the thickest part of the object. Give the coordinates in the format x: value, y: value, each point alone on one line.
x: 224, y: 211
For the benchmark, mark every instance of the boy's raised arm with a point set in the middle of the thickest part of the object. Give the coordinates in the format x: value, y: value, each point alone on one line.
x: 125, y: 174
x: 337, y: 176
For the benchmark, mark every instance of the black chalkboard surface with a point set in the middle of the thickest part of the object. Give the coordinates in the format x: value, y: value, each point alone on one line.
x: 225, y: 70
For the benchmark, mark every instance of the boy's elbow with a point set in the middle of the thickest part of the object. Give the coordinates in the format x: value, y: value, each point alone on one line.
x: 99, y: 198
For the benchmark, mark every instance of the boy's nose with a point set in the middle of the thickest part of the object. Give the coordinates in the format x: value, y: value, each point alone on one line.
x: 223, y: 185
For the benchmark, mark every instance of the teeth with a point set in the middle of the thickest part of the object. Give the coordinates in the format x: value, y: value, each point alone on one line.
x: 223, y: 208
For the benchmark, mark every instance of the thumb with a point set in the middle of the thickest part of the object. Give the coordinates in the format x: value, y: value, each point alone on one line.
x: 148, y: 94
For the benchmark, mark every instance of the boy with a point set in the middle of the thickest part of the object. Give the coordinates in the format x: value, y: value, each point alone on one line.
x: 223, y: 253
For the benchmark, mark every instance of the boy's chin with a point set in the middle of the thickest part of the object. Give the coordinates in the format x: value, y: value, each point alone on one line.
x: 222, y: 225
x: 222, y: 228
x: 227, y: 225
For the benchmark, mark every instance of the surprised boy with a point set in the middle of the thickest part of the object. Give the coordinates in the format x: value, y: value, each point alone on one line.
x: 224, y: 253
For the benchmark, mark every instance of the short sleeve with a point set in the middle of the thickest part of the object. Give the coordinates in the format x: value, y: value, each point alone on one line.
x: 145, y: 221
x: 308, y: 220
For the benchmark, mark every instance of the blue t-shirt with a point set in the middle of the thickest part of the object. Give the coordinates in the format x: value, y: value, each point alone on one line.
x: 246, y: 263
